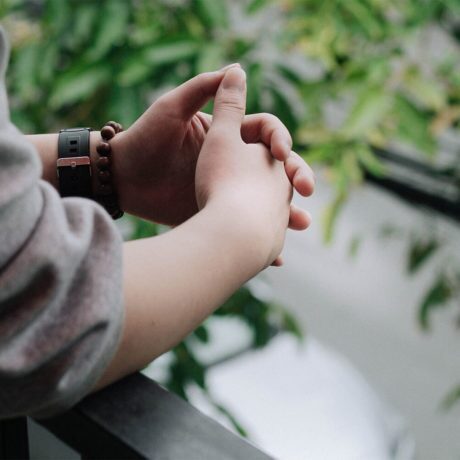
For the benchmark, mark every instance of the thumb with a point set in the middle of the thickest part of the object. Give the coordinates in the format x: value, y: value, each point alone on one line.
x: 230, y: 100
x: 185, y: 100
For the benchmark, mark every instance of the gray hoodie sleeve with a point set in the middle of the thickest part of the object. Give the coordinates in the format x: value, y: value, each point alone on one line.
x: 60, y: 283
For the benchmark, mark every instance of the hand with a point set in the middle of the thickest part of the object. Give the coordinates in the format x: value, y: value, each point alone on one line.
x: 155, y: 159
x: 243, y: 177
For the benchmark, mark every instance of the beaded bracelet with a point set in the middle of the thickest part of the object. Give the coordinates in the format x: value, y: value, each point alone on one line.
x: 105, y: 192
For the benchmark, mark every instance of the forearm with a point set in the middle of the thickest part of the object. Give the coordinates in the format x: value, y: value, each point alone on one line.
x: 47, y: 148
x: 174, y: 281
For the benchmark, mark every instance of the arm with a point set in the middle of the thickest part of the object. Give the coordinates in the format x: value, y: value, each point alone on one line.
x: 174, y: 281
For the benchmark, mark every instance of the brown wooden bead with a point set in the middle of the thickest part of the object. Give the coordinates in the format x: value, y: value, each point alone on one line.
x: 114, y: 125
x: 104, y: 176
x: 103, y: 163
x: 103, y: 148
x: 107, y: 132
x: 104, y: 189
x: 105, y: 192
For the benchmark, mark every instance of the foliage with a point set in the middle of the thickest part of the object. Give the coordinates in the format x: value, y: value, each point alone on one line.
x: 345, y: 77
x: 375, y: 85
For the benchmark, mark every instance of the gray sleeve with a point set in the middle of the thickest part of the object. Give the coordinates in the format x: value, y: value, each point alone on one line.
x: 60, y: 283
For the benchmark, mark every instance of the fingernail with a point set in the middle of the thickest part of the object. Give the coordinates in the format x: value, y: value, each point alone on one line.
x: 235, y: 64
x: 235, y: 78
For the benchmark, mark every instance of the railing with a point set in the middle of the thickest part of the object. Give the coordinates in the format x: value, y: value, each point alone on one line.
x: 419, y: 183
x: 133, y: 419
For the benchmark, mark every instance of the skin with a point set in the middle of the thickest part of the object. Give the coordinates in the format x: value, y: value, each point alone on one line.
x: 154, y: 161
x: 219, y: 182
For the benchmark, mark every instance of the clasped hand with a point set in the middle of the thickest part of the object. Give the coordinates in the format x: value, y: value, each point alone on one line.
x: 166, y: 164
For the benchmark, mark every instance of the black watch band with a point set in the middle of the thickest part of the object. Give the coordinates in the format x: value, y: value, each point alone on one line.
x: 73, y: 164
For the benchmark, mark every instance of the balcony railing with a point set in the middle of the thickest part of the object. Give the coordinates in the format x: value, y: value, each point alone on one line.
x: 133, y: 419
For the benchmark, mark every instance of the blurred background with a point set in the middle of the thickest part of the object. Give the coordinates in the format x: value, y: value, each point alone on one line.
x: 351, y: 350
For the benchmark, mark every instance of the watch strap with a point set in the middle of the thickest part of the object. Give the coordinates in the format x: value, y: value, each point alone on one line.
x: 74, y: 164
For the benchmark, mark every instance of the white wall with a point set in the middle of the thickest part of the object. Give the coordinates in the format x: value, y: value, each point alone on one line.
x: 366, y: 309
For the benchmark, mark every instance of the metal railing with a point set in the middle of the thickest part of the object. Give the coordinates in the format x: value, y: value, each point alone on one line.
x: 134, y: 418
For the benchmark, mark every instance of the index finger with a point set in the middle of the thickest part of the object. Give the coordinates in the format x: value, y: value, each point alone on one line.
x: 269, y: 129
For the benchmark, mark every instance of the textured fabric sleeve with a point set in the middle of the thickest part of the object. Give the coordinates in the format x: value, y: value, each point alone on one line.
x: 60, y: 283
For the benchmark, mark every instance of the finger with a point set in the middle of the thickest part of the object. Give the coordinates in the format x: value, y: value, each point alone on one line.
x: 299, y: 219
x: 278, y: 262
x: 206, y: 120
x: 300, y: 174
x: 185, y: 100
x: 266, y: 128
x: 230, y: 101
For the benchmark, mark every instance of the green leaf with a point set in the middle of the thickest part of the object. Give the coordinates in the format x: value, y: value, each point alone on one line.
x: 231, y: 418
x: 48, y: 62
x: 452, y: 398
x: 201, y: 333
x: 290, y: 324
x: 143, y: 229
x: 366, y: 17
x: 419, y: 253
x: 171, y: 53
x: 429, y: 92
x: 210, y: 58
x: 354, y: 246
x: 413, y: 125
x: 370, y: 108
x: 112, y: 27
x: 78, y: 84
x: 26, y: 66
x: 437, y: 296
x: 134, y: 70
x: 84, y: 20
x: 212, y: 13
x: 57, y: 15
x: 350, y: 166
x: 254, y: 85
x: 256, y: 5
x: 369, y: 160
x: 330, y: 215
x: 453, y: 5
x: 126, y: 104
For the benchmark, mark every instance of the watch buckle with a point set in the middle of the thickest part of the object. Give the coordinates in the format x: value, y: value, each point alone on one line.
x: 73, y: 162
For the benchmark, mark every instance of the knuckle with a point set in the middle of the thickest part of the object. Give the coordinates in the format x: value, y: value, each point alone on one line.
x: 217, y: 134
x: 270, y: 118
x: 232, y: 101
x: 231, y: 106
x: 164, y: 103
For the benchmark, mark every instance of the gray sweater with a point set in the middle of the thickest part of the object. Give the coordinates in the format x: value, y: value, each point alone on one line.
x: 60, y: 283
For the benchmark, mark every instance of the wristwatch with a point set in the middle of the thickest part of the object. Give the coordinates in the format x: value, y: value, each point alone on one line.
x: 74, y: 163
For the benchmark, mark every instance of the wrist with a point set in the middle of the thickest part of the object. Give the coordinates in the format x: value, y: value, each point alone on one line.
x: 119, y: 171
x: 245, y: 226
x: 95, y: 138
x: 46, y: 146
